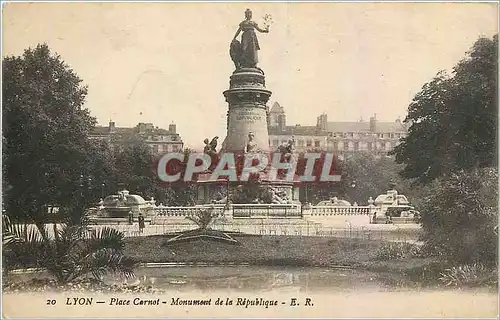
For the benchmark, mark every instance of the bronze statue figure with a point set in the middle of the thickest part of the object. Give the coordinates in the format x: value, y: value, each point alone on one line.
x: 206, y: 148
x: 213, y: 145
x: 244, y: 54
x: 210, y: 148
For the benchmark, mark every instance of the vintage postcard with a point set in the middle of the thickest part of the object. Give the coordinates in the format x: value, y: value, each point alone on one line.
x: 249, y: 160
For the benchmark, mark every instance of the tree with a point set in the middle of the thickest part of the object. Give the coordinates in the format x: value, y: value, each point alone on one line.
x: 49, y: 160
x: 45, y: 130
x: 454, y: 118
x: 371, y: 175
x: 460, y: 216
x: 178, y: 193
x: 134, y: 168
x: 317, y: 190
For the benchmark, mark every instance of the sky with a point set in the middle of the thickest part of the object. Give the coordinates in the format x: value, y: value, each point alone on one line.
x: 169, y: 62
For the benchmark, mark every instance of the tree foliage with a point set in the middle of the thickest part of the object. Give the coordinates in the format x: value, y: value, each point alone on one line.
x: 460, y: 216
x: 71, y: 252
x: 133, y: 167
x: 178, y: 193
x: 370, y: 176
x: 316, y: 191
x: 454, y: 118
x: 45, y: 130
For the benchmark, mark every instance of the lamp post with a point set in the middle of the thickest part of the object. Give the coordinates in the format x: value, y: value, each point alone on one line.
x: 306, y: 187
x: 353, y: 187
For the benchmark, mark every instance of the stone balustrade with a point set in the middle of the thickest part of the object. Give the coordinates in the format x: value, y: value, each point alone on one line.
x: 163, y: 211
x: 335, y: 210
x: 266, y: 210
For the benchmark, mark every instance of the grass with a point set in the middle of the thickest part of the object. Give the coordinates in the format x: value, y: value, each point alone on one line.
x: 256, y: 250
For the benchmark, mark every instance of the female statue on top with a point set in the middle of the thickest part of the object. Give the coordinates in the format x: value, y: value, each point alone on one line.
x: 244, y: 54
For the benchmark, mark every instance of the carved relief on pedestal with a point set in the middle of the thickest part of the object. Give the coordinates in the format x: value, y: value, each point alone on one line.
x: 280, y: 194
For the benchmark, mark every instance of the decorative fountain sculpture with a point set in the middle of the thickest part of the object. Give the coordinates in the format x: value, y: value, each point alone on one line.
x: 123, y: 203
x: 393, y: 207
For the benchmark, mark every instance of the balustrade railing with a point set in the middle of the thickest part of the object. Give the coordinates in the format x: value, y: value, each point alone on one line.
x: 334, y: 211
x: 163, y: 211
x: 266, y: 210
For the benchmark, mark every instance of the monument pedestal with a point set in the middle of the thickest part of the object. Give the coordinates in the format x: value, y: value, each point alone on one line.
x: 247, y: 131
x: 247, y: 114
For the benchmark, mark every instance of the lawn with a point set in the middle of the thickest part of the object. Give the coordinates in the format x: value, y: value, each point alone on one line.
x: 256, y: 250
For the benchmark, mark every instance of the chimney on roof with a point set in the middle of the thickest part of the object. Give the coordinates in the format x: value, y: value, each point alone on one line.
x: 111, y: 126
x: 373, y: 123
x: 172, y: 128
x: 321, y: 122
x: 282, y: 122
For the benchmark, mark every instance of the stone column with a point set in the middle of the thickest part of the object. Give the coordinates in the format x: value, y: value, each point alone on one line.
x: 247, y: 97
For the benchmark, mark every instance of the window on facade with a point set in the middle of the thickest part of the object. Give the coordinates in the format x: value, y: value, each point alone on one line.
x: 175, y: 148
x: 356, y: 146
x: 346, y: 145
x: 301, y: 143
x: 351, y: 134
x: 391, y: 135
x: 369, y: 145
x: 155, y: 148
x: 309, y: 143
x: 316, y: 144
x: 275, y: 142
x: 335, y: 146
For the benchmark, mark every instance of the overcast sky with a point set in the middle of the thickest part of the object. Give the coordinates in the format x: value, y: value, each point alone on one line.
x: 164, y: 62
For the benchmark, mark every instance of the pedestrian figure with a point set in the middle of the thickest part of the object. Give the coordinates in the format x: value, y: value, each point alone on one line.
x: 141, y: 223
x: 130, y: 218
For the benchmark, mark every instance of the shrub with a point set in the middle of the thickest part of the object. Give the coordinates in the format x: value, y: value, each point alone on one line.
x: 469, y: 275
x: 397, y: 250
x: 203, y: 217
x: 460, y: 217
x: 71, y: 253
